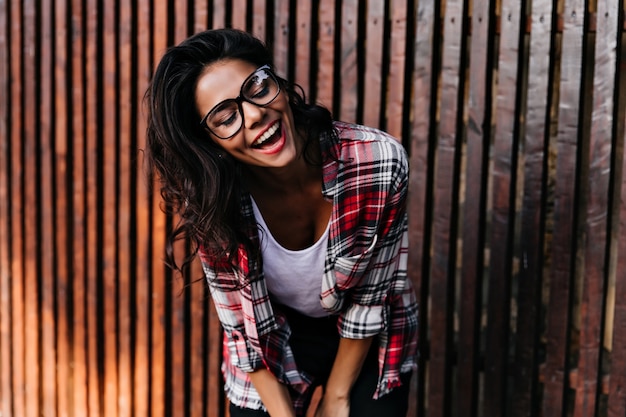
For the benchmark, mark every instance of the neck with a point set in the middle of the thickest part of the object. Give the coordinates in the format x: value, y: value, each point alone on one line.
x: 293, y: 178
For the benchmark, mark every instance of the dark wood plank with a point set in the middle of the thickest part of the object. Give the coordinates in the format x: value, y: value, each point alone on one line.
x: 239, y: 16
x: 397, y: 58
x: 110, y: 250
x: 158, y: 394
x: 214, y: 359
x: 219, y: 14
x: 202, y: 13
x: 6, y: 393
x: 348, y: 61
x: 143, y: 249
x: 259, y: 20
x: 444, y: 221
x: 198, y: 344
x: 93, y: 234
x: 526, y: 370
x: 280, y: 45
x: 17, y: 214
x: 32, y: 317
x: 79, y: 382
x: 62, y: 197
x: 424, y: 98
x: 125, y: 157
x: 302, y: 46
x: 326, y: 53
x: 180, y: 21
x: 94, y: 386
x: 53, y: 387
x: 374, y: 33
x: 503, y: 192
x: 158, y: 316
x: 598, y: 178
x: 556, y: 372
x: 473, y: 211
x: 175, y: 338
x: 617, y: 394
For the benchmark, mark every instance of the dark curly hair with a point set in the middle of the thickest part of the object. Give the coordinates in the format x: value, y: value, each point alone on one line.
x: 199, y: 184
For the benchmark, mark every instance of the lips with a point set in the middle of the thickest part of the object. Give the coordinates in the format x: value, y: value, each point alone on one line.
x: 268, y: 140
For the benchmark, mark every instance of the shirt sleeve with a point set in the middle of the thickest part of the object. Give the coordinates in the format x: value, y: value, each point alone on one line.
x: 380, y: 269
x: 240, y: 350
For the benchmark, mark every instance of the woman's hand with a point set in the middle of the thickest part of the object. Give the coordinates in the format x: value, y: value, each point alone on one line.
x: 346, y: 368
x: 274, y: 395
x: 333, y: 407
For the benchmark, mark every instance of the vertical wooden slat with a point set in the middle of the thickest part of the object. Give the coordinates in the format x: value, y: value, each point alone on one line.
x: 17, y: 214
x: 443, y: 226
x: 374, y: 33
x: 31, y: 229
x: 532, y: 213
x: 110, y: 197
x: 617, y: 387
x: 598, y: 178
x: 78, y: 388
x: 143, y: 249
x: 93, y: 235
x: 326, y: 51
x: 239, y: 14
x: 201, y: 13
x: 214, y: 358
x: 420, y: 150
x: 175, y: 339
x: 6, y: 393
x: 259, y: 23
x: 158, y: 319
x: 302, y: 46
x: 504, y: 178
x: 198, y: 349
x: 473, y: 226
x: 564, y: 236
x: 219, y: 13
x: 51, y: 371
x: 85, y: 297
x: 62, y: 195
x: 395, y: 84
x: 180, y: 21
x: 348, y: 61
x: 126, y: 155
x: 281, y: 38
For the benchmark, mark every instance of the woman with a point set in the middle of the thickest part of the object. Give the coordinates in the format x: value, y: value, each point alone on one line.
x: 300, y: 224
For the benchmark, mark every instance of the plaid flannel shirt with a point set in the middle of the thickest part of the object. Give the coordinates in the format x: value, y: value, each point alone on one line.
x: 365, y: 279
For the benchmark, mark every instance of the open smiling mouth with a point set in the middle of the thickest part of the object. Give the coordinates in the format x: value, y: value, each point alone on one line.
x: 270, y: 137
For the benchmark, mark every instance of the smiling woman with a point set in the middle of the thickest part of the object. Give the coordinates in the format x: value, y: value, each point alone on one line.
x: 267, y: 113
x: 300, y: 223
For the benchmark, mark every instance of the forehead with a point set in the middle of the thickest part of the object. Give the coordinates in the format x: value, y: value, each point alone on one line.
x: 220, y: 81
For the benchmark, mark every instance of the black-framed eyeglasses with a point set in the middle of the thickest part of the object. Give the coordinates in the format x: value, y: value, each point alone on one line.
x: 226, y: 118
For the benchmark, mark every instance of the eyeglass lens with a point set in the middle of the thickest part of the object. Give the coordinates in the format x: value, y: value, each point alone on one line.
x: 261, y: 88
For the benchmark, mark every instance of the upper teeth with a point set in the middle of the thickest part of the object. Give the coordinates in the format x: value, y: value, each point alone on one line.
x: 268, y: 133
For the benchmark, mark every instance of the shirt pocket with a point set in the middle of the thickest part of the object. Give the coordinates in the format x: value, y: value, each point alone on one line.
x: 348, y: 270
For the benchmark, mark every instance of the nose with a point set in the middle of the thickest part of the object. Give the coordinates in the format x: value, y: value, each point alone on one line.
x: 252, y: 114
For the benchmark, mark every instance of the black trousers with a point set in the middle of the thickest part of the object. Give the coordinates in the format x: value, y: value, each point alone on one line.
x: 314, y: 342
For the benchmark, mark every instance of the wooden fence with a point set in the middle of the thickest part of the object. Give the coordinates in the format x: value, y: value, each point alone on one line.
x: 513, y: 114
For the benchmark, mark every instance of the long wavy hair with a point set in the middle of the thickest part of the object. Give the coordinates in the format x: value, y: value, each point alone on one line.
x: 200, y: 184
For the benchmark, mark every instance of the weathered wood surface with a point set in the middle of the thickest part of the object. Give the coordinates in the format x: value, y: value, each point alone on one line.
x: 512, y: 113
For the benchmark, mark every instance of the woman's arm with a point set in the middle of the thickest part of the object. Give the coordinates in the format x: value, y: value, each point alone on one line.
x: 274, y: 395
x: 346, y: 368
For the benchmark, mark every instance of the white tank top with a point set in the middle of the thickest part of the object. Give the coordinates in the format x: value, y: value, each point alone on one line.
x: 293, y: 277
